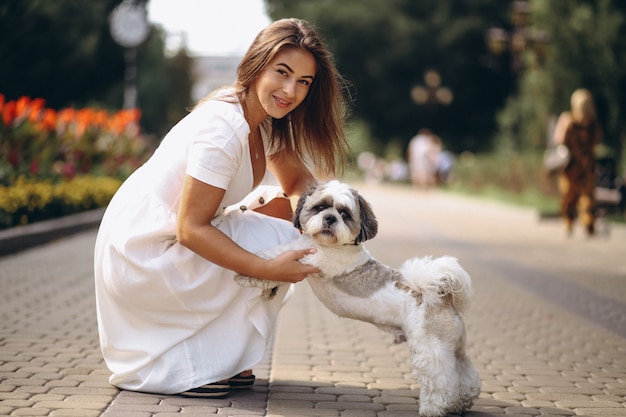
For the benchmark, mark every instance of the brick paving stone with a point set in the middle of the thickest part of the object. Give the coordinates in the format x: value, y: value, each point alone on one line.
x: 555, y: 412
x: 602, y: 411
x: 29, y: 412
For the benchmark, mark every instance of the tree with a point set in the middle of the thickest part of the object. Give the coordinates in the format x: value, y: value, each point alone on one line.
x: 62, y: 51
x: 587, y: 49
x: 384, y: 48
x: 58, y: 50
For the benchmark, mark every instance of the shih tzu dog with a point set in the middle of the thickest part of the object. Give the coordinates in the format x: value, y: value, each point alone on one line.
x: 421, y: 303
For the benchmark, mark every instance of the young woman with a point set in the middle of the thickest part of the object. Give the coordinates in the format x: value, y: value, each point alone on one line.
x: 170, y: 317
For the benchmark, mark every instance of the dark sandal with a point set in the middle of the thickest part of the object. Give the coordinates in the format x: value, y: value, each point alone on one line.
x: 241, y: 382
x: 215, y: 390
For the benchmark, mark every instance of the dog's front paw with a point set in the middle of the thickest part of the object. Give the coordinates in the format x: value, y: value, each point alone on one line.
x: 270, y: 288
x: 247, y: 281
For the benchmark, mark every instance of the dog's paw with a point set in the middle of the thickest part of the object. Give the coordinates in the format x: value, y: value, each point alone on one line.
x: 269, y: 288
x: 247, y: 281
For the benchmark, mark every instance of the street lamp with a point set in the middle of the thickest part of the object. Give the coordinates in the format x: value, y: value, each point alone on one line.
x: 519, y: 39
x: 129, y: 28
x: 432, y: 93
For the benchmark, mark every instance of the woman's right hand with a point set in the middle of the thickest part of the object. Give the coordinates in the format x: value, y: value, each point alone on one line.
x: 287, y: 267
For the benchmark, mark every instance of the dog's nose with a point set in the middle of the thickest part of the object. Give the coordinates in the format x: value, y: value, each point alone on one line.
x: 329, y: 220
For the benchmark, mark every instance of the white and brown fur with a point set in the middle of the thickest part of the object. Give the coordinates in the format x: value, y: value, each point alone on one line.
x: 421, y: 303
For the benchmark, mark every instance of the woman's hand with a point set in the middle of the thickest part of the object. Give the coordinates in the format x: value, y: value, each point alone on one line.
x: 287, y: 268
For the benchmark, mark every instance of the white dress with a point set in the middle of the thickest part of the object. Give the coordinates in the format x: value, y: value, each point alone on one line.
x: 168, y: 319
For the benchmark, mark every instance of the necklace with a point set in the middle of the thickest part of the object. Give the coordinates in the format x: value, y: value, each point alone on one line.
x: 255, y: 143
x: 254, y: 137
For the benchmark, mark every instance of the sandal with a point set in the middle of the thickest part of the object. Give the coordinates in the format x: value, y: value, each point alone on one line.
x: 240, y: 381
x: 218, y: 389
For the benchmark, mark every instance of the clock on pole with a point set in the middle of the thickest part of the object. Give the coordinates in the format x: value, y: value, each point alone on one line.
x: 130, y: 28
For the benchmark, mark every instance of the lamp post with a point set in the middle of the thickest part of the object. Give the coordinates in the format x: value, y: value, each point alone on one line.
x: 129, y: 28
x: 432, y: 93
x: 519, y: 39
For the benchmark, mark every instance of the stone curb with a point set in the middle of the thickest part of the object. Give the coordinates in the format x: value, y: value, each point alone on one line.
x: 23, y: 237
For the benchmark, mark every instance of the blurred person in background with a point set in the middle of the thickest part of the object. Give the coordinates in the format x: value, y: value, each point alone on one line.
x: 580, y: 131
x: 423, y: 152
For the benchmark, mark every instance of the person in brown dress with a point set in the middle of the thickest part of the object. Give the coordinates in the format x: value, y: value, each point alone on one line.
x: 580, y: 131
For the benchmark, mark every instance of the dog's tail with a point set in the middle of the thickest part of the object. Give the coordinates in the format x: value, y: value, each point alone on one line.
x: 438, y: 279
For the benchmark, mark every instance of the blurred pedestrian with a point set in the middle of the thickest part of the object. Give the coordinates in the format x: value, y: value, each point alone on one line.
x: 423, y: 152
x: 171, y: 318
x: 580, y: 131
x: 445, y: 163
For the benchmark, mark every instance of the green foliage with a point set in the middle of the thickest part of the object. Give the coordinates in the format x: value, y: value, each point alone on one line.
x: 384, y: 48
x: 58, y: 163
x: 587, y: 44
x: 28, y: 200
x: 62, y: 51
x: 507, y: 176
x: 58, y: 50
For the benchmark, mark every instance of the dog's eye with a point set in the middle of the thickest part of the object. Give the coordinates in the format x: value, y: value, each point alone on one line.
x: 345, y: 214
x: 319, y: 208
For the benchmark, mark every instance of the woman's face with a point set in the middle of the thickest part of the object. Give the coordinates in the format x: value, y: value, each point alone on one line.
x: 285, y: 82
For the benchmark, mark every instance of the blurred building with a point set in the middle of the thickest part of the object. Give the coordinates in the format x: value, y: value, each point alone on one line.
x: 211, y: 72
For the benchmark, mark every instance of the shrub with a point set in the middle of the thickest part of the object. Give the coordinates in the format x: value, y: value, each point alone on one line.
x: 62, y: 162
x: 44, y: 143
x: 27, y: 200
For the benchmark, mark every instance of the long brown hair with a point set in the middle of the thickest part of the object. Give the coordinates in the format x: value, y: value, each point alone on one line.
x: 315, y: 128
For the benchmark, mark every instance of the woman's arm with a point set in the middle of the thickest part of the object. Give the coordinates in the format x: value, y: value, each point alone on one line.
x: 565, y: 119
x: 198, y: 205
x: 292, y: 174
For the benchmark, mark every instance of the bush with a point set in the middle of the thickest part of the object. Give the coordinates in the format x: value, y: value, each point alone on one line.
x: 514, y: 177
x: 63, y: 162
x: 44, y: 143
x: 28, y: 201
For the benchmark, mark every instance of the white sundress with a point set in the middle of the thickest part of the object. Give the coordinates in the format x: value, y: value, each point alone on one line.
x: 168, y: 319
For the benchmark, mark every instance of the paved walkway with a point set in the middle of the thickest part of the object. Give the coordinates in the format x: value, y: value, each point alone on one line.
x: 546, y: 328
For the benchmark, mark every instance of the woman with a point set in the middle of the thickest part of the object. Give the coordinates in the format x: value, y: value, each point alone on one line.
x: 170, y: 317
x: 580, y: 131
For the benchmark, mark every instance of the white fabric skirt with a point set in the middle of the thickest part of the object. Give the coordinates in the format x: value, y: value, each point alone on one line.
x: 168, y: 319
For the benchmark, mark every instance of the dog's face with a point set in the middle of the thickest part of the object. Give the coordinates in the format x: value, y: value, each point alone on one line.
x: 333, y: 213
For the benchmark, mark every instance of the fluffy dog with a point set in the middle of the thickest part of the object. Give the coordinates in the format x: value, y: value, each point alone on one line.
x: 420, y: 303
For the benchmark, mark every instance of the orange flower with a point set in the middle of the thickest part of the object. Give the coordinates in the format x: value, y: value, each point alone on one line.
x: 48, y: 120
x: 21, y: 106
x: 1, y: 101
x: 100, y: 118
x: 124, y: 119
x: 9, y: 113
x: 66, y: 116
x: 36, y: 107
x: 83, y: 120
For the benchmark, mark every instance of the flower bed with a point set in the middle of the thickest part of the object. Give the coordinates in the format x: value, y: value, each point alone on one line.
x: 59, y: 162
x: 27, y: 200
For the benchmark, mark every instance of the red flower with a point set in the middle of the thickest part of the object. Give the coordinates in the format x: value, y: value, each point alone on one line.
x: 34, y: 167
x: 36, y: 107
x: 14, y: 158
x: 9, y: 113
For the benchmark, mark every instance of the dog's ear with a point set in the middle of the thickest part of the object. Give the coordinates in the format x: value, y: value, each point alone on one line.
x: 369, y: 224
x: 300, y: 205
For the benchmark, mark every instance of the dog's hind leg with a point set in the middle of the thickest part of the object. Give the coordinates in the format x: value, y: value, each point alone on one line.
x: 468, y: 376
x: 435, y: 367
